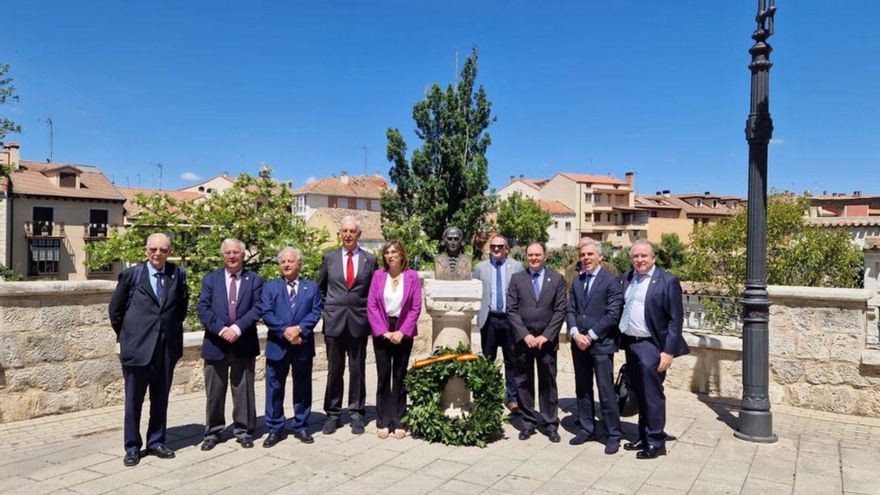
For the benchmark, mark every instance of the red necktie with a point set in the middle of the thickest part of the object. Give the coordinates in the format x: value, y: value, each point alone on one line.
x: 349, y: 270
x: 233, y: 296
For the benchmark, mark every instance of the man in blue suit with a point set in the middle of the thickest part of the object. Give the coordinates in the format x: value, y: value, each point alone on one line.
x: 146, y: 312
x: 229, y: 309
x: 651, y: 334
x: 291, y: 308
x: 593, y: 315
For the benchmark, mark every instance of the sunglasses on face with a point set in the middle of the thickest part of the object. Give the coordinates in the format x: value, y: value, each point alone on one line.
x: 161, y: 250
x: 497, y: 246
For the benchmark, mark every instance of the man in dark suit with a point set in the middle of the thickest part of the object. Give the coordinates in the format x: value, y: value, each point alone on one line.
x: 229, y: 309
x: 291, y: 309
x: 147, y: 312
x: 495, y: 331
x: 651, y: 334
x: 593, y: 315
x: 344, y: 281
x: 536, y: 309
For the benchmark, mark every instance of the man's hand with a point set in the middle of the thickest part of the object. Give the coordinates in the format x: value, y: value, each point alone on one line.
x: 540, y: 340
x: 228, y: 335
x: 665, y: 362
x: 531, y: 341
x: 292, y: 334
x: 582, y: 341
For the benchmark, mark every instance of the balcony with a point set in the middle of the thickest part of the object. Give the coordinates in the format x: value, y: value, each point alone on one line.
x: 96, y: 231
x: 43, y: 230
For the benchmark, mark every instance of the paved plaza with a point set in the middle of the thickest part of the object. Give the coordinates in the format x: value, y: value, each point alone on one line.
x: 81, y: 453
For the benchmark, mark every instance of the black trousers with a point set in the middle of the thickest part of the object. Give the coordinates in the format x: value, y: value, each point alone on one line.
x: 391, y: 364
x: 601, y: 366
x: 218, y: 375
x: 548, y: 396
x: 642, y: 359
x: 355, y: 348
x: 494, y: 334
x: 156, y: 376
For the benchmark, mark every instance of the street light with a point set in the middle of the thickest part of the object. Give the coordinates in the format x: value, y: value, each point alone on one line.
x: 755, y: 419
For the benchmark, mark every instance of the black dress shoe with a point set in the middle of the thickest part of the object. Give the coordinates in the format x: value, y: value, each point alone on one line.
x: 637, y: 445
x: 526, y: 433
x: 651, y: 452
x: 209, y: 444
x: 162, y: 452
x: 612, y: 446
x: 553, y: 436
x: 273, y: 438
x: 246, y: 442
x: 304, y: 436
x: 330, y: 425
x: 357, y: 425
x: 582, y: 437
x: 131, y: 458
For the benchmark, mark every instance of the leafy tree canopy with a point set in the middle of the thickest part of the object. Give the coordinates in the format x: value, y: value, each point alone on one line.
x: 256, y: 210
x: 521, y: 220
x: 445, y: 181
x: 671, y: 253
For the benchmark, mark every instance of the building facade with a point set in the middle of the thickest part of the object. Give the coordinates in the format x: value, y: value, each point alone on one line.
x: 351, y: 192
x: 680, y: 213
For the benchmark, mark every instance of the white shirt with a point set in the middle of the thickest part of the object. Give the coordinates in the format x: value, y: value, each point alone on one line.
x: 393, y: 298
x: 574, y: 330
x: 635, y: 296
x: 356, y: 252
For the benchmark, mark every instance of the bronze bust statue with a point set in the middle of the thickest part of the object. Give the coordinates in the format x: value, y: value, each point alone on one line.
x: 451, y: 263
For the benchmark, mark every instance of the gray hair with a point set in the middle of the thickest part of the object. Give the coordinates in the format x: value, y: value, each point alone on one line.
x: 586, y: 241
x: 241, y: 245
x: 159, y: 235
x: 350, y: 218
x: 289, y: 249
x: 642, y: 242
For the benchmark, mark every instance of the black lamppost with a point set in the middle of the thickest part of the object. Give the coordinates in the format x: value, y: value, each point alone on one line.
x: 755, y: 419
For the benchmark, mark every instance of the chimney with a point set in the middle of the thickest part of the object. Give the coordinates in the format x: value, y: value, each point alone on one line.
x: 512, y: 179
x: 666, y: 192
x: 707, y: 193
x: 658, y: 193
x: 521, y: 176
x: 343, y: 177
x: 824, y: 193
x: 629, y: 179
x: 10, y: 154
x: 857, y: 193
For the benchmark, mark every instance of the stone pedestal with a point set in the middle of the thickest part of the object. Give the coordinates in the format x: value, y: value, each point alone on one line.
x: 452, y: 305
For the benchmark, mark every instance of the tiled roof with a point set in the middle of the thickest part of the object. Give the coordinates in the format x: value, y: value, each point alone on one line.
x: 31, y: 180
x: 534, y: 183
x: 131, y: 209
x: 224, y: 175
x: 594, y: 179
x: 352, y: 186
x: 844, y: 222
x: 675, y: 202
x: 555, y: 207
x: 371, y: 221
x: 654, y: 203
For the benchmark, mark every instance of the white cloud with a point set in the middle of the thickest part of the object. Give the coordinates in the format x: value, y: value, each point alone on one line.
x: 777, y: 142
x: 190, y: 176
x: 311, y: 179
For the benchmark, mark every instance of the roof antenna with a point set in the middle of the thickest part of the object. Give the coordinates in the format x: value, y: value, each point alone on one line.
x: 50, y: 124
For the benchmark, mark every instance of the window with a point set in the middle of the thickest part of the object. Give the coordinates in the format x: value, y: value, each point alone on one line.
x: 555, y: 225
x: 43, y: 220
x: 597, y: 217
x: 352, y: 203
x: 619, y: 233
x: 98, y: 223
x: 331, y: 201
x: 588, y: 197
x: 653, y: 213
x: 299, y: 204
x: 67, y: 179
x: 598, y: 198
x: 568, y: 226
x: 699, y: 202
x: 43, y: 257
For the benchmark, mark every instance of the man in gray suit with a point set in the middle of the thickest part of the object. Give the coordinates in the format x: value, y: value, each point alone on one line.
x: 495, y: 331
x: 344, y: 281
x: 536, y: 309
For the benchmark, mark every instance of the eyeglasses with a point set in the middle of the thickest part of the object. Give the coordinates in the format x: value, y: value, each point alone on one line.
x: 161, y: 250
x: 497, y: 246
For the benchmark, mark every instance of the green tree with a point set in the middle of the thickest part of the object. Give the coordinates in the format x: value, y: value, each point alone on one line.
x: 7, y: 93
x: 521, y: 220
x: 445, y: 181
x: 256, y: 210
x: 419, y: 248
x: 671, y: 253
x: 796, y: 253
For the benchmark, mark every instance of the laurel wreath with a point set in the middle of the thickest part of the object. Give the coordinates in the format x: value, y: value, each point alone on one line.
x: 425, y: 382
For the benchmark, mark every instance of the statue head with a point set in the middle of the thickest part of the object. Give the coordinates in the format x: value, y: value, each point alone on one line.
x: 452, y: 241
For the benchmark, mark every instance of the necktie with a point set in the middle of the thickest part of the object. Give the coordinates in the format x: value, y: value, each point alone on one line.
x: 160, y: 288
x: 233, y: 296
x: 499, y: 289
x: 587, y: 287
x: 292, y: 293
x: 349, y: 270
x: 535, y: 280
x: 629, y: 298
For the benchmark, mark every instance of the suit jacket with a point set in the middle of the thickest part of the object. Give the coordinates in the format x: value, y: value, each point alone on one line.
x: 599, y: 311
x: 543, y: 316
x: 485, y: 273
x: 344, y: 307
x: 410, y: 309
x: 278, y: 315
x: 138, y: 323
x: 664, y: 311
x: 213, y: 307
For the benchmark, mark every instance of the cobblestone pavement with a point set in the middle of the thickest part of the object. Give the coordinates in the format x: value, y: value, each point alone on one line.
x: 81, y: 453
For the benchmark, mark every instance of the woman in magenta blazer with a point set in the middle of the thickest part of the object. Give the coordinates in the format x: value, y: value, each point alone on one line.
x: 393, y: 308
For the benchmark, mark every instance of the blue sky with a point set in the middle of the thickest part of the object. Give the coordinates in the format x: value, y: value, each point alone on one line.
x: 657, y: 87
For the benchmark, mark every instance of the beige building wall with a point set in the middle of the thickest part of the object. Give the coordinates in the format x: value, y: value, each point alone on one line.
x: 215, y: 184
x: 560, y: 233
x: 520, y: 187
x: 74, y: 215
x: 4, y: 228
x: 565, y: 191
x: 657, y: 226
